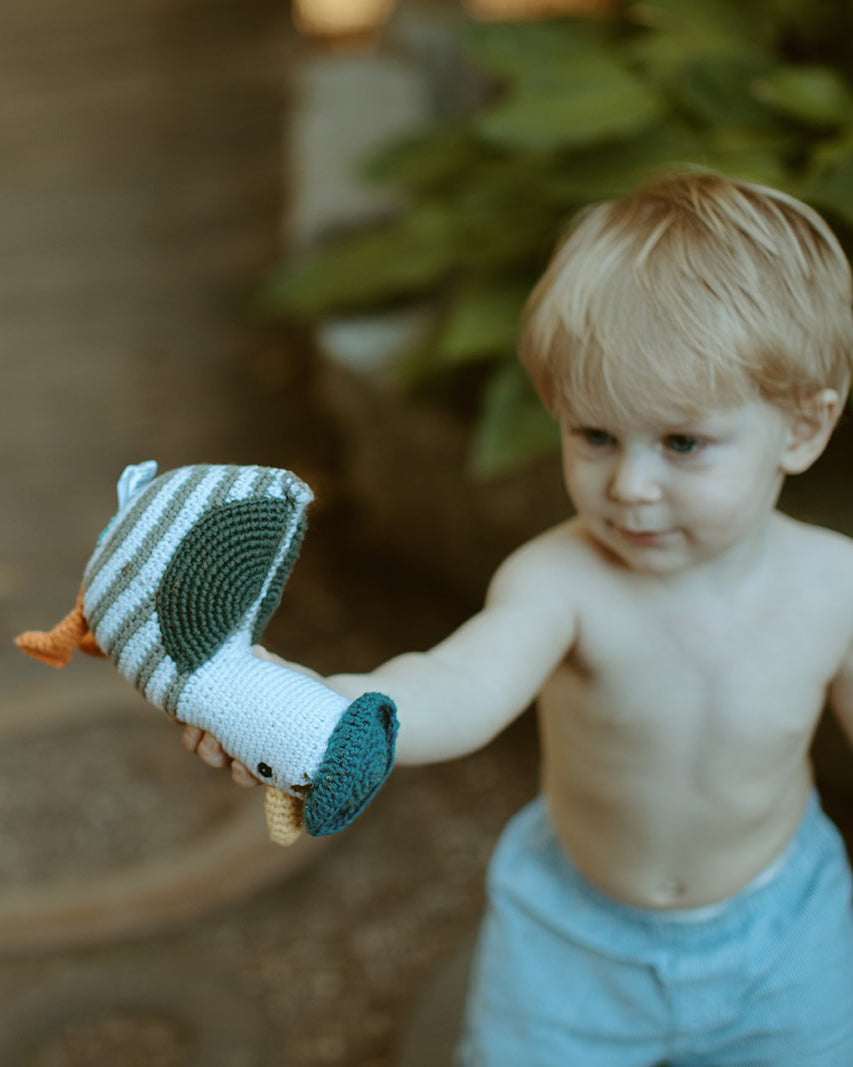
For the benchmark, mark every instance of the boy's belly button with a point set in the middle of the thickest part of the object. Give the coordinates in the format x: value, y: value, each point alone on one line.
x: 671, y: 890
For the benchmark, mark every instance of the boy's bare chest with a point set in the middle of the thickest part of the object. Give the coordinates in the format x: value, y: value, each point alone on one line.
x: 692, y: 681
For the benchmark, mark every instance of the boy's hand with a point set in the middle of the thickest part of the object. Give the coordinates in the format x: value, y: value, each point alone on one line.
x: 209, y: 750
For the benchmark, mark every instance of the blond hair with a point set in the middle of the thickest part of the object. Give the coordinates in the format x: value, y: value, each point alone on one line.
x: 698, y: 291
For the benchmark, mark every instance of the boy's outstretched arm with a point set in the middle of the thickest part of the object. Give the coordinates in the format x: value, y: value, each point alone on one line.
x: 456, y: 697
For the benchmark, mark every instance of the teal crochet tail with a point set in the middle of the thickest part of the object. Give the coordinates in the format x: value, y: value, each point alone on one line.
x: 358, y: 759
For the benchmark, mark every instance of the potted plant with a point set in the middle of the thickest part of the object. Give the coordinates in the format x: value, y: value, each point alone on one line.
x: 570, y: 110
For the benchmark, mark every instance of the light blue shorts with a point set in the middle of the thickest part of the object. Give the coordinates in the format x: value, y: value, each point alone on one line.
x: 565, y: 976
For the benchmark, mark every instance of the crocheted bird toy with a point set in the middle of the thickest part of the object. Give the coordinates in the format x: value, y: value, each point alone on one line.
x: 180, y: 586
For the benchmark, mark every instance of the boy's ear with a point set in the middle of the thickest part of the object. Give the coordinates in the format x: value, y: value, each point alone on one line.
x: 810, y: 430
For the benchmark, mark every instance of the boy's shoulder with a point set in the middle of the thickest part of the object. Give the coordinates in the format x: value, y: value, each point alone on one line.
x: 819, y: 551
x: 562, y: 543
x: 813, y: 538
x: 554, y: 556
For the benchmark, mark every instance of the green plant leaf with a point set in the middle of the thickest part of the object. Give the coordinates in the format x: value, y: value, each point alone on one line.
x: 722, y: 89
x: 593, y: 99
x: 748, y: 154
x: 832, y: 190
x: 425, y: 159
x: 367, y: 268
x: 525, y: 52
x: 612, y: 170
x: 513, y: 428
x: 813, y: 94
x: 481, y: 323
x: 499, y: 216
x: 831, y: 152
x: 729, y: 27
x: 691, y: 48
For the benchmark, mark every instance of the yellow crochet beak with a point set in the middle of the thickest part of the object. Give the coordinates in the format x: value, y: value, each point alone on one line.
x: 285, y: 816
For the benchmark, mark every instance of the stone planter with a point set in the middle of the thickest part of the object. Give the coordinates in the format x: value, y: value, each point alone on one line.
x: 405, y: 463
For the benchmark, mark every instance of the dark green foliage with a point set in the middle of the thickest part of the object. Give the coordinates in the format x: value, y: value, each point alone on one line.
x: 580, y: 110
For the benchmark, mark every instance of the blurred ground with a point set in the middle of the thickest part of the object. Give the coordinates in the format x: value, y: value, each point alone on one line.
x: 140, y: 192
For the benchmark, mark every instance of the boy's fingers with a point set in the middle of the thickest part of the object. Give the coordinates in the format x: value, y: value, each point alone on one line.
x: 191, y: 737
x: 211, y: 752
x: 242, y: 776
x: 208, y: 749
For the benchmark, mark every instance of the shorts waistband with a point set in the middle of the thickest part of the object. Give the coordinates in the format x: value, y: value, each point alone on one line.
x: 707, y: 912
x: 530, y: 866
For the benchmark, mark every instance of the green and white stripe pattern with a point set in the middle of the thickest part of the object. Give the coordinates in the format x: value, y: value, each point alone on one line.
x: 178, y: 589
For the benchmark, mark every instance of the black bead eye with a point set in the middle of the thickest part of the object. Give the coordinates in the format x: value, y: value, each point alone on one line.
x: 264, y: 770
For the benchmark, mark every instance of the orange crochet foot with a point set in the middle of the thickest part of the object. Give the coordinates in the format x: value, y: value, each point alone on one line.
x: 56, y: 647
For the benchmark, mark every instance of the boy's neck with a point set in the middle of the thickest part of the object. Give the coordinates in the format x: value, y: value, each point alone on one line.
x: 735, y: 570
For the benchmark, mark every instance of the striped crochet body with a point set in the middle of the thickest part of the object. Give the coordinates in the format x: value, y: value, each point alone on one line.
x: 181, y: 585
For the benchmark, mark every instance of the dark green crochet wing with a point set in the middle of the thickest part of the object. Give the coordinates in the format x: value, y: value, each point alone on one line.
x: 217, y: 574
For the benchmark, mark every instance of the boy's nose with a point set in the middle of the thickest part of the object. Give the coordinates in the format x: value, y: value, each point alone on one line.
x: 634, y: 481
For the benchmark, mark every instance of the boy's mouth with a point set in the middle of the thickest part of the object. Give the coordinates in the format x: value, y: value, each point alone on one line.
x: 642, y: 537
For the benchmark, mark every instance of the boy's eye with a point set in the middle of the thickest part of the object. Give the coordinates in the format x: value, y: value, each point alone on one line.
x: 596, y: 438
x: 683, y: 443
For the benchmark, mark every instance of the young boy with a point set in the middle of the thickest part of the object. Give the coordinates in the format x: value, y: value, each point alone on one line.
x: 676, y: 892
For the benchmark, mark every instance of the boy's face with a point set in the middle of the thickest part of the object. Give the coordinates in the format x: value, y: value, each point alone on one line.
x: 668, y: 495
